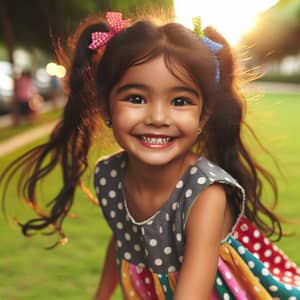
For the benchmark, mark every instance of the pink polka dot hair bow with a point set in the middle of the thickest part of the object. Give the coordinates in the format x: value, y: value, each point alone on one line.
x: 116, y: 24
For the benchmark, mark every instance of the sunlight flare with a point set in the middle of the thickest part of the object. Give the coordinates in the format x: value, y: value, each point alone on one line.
x: 231, y: 17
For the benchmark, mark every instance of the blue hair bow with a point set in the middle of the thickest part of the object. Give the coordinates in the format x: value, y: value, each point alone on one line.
x: 213, y: 47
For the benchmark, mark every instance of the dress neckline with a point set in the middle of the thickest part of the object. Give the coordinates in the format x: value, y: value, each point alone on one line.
x: 179, y: 184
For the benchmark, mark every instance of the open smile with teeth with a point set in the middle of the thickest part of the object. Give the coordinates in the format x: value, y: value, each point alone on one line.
x: 156, y: 140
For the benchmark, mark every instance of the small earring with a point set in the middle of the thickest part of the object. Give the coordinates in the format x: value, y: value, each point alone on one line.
x: 108, y: 122
x: 199, y: 130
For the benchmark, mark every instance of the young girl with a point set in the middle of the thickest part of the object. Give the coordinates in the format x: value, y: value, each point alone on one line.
x: 183, y: 196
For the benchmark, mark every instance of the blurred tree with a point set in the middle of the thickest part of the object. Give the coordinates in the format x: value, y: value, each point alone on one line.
x: 34, y: 24
x: 276, y: 33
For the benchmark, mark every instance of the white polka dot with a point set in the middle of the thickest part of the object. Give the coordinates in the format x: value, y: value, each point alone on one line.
x: 256, y: 255
x: 112, y: 214
x: 104, y: 201
x: 193, y: 170
x: 153, y: 242
x: 287, y: 279
x: 288, y: 287
x: 292, y: 298
x: 127, y: 255
x: 97, y: 170
x: 219, y: 281
x: 244, y: 227
x: 268, y: 253
x: 180, y: 258
x: 143, y: 230
x: 241, y: 250
x: 288, y: 273
x: 113, y: 173
x: 120, y: 185
x: 246, y: 239
x: 123, y: 164
x: 147, y: 280
x: 106, y: 162
x: 146, y: 252
x: 276, y: 271
x: 137, y: 247
x: 112, y: 194
x: 288, y: 265
x: 273, y: 288
x: 119, y: 243
x: 160, y: 229
x: 266, y: 241
x: 179, y: 237
x: 174, y: 206
x: 251, y: 264
x: 120, y: 225
x: 120, y: 205
x: 257, y: 246
x: 167, y: 216
x: 256, y: 233
x: 179, y: 184
x: 167, y: 250
x: 226, y: 296
x: 267, y: 264
x: 201, y: 180
x: 174, y: 227
x: 102, y: 181
x: 134, y: 228
x: 127, y: 236
x: 265, y: 272
x: 165, y: 288
x: 228, y: 275
x: 188, y: 193
x: 171, y: 269
x: 158, y: 262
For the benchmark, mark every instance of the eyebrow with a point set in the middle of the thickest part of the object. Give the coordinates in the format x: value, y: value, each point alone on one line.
x: 145, y: 87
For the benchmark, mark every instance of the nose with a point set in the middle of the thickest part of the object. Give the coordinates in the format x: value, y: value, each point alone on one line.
x: 158, y: 114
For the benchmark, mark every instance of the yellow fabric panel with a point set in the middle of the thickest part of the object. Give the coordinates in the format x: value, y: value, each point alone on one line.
x: 248, y: 281
x: 128, y: 287
x: 158, y: 288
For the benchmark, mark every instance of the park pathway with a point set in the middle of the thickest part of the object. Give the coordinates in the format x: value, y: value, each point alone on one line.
x: 22, y: 139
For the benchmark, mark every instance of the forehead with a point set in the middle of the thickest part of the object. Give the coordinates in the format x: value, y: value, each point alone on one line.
x: 157, y: 74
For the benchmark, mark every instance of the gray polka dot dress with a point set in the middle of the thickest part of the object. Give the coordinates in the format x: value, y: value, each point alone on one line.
x: 150, y: 253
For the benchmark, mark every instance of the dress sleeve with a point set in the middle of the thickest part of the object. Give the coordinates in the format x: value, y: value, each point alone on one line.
x: 201, y: 176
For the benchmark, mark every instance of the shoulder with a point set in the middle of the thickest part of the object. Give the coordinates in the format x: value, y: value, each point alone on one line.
x: 110, y: 162
x: 210, y: 188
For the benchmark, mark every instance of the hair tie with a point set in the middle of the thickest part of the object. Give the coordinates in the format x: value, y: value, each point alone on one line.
x: 213, y: 47
x: 116, y: 24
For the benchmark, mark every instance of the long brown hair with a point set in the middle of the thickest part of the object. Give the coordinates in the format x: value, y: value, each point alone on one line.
x: 91, y: 78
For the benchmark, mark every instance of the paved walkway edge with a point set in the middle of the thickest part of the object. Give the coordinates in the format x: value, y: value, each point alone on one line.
x: 22, y: 139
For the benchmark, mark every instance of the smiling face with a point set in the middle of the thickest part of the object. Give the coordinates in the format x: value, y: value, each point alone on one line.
x: 155, y: 115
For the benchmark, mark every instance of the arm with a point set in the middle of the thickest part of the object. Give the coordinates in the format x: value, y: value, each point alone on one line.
x: 204, y: 231
x: 109, y: 277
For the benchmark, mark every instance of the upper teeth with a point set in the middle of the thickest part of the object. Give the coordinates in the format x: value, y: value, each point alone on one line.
x: 157, y: 141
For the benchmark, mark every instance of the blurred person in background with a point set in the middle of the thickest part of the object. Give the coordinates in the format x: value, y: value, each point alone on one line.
x: 27, y: 102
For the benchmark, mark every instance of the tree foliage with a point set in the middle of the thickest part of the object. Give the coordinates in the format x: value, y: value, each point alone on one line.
x: 32, y: 23
x: 277, y: 32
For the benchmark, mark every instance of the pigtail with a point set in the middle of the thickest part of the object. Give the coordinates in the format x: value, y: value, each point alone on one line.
x: 69, y: 142
x: 226, y: 146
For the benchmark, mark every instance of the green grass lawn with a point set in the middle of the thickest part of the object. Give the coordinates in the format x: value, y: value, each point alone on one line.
x: 10, y: 131
x: 28, y: 272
